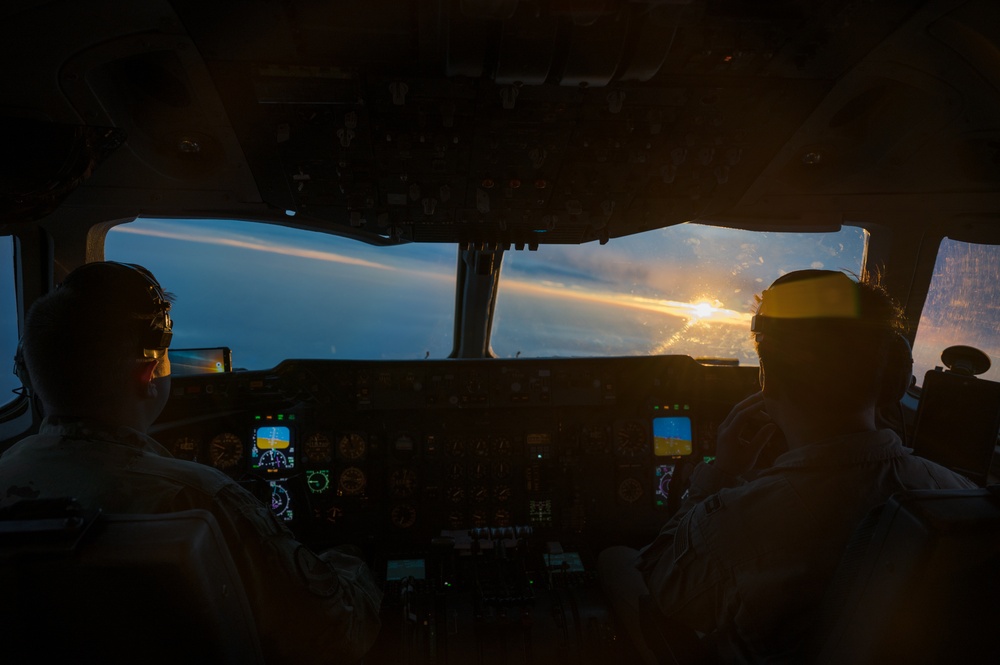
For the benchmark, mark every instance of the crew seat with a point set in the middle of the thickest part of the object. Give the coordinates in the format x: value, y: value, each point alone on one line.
x: 81, y: 587
x: 919, y: 583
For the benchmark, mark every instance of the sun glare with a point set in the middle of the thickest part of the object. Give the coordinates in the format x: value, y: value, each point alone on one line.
x: 702, y: 310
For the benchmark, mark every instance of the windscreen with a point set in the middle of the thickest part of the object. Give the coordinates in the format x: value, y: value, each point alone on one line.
x: 271, y: 292
x: 686, y: 289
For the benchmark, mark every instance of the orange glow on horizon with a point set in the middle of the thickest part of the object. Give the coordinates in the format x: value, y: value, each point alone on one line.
x: 700, y: 311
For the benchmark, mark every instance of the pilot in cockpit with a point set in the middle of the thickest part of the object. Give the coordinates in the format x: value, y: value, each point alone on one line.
x: 94, y: 353
x: 746, y: 560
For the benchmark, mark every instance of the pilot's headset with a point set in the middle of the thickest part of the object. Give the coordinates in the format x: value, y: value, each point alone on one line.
x: 815, y: 296
x: 119, y: 278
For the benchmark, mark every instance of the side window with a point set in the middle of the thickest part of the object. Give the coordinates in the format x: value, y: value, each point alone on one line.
x: 8, y: 322
x: 962, y: 307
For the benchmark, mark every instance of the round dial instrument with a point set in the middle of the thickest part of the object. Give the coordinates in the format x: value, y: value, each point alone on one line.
x: 318, y: 481
x: 629, y: 490
x: 456, y: 494
x: 352, y: 481
x: 501, y: 517
x: 501, y: 493
x: 352, y: 446
x: 272, y: 459
x: 501, y: 445
x: 630, y: 439
x: 403, y: 516
x: 185, y: 447
x: 318, y: 448
x: 225, y: 450
x: 502, y: 470
x: 403, y: 482
x: 480, y: 447
x: 280, y: 500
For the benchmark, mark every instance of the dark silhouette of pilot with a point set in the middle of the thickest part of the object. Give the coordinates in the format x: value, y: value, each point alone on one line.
x: 94, y: 352
x: 747, y: 558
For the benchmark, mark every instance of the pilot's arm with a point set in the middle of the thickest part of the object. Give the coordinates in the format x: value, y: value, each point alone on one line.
x: 308, y: 608
x: 687, y: 566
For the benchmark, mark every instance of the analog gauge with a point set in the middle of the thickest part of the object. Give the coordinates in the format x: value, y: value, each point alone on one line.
x: 456, y: 494
x: 272, y: 459
x: 280, y: 500
x: 352, y: 481
x: 502, y: 470
x: 501, y: 446
x: 501, y: 493
x: 318, y: 481
x: 501, y: 517
x: 352, y: 446
x: 456, y: 448
x: 403, y: 516
x: 318, y: 448
x: 225, y: 450
x: 479, y: 519
x: 629, y: 490
x: 479, y: 470
x: 456, y: 520
x: 480, y: 448
x: 402, y: 482
x: 456, y: 471
x: 403, y: 443
x: 630, y: 439
x: 479, y: 493
x: 185, y: 447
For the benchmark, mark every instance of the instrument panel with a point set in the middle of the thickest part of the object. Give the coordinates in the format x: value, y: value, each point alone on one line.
x: 395, y: 453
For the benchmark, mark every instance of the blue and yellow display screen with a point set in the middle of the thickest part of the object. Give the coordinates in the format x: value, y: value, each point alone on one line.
x: 672, y: 436
x: 273, y: 449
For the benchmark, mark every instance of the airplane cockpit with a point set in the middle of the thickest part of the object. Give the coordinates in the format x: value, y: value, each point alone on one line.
x: 467, y: 284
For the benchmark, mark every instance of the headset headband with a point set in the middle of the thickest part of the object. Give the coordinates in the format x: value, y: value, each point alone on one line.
x: 155, y: 340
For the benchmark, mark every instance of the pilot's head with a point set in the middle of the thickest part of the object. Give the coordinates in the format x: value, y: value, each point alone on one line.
x: 97, y: 345
x: 826, y: 340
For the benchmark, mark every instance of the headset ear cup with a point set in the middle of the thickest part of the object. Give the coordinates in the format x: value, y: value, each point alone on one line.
x: 898, y: 371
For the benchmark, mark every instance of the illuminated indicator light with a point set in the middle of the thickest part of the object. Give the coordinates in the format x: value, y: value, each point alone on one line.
x: 290, y: 213
x: 539, y: 456
x: 281, y: 416
x: 687, y: 407
x: 291, y: 417
x: 268, y: 417
x: 677, y: 407
x: 656, y: 408
x: 447, y: 584
x: 256, y: 417
x: 728, y: 58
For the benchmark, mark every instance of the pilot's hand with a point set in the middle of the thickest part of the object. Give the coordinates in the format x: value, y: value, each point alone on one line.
x: 742, y: 435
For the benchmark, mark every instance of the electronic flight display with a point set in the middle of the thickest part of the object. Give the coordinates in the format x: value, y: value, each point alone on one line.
x: 274, y: 449
x: 672, y: 438
x: 281, y: 501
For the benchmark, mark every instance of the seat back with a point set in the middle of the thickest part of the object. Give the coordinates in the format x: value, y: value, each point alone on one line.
x: 922, y: 587
x: 122, y: 588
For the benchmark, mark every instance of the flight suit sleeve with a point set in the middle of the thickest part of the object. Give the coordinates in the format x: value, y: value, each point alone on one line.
x: 308, y: 608
x: 681, y: 574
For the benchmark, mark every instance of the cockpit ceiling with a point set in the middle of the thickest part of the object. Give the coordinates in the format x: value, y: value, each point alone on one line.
x: 506, y: 122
